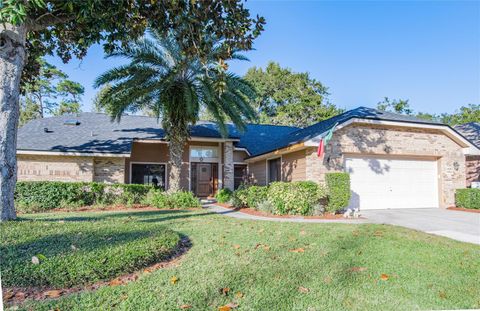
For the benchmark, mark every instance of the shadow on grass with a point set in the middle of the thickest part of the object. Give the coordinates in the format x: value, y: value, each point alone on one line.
x: 147, y: 216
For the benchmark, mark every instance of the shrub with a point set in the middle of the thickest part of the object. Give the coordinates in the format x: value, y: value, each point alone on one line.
x: 256, y: 195
x: 468, y: 198
x: 224, y: 195
x: 37, y: 196
x: 338, y: 187
x: 296, y: 198
x: 166, y: 200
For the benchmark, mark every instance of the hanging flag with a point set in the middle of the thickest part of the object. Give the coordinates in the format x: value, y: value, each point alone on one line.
x: 324, y: 141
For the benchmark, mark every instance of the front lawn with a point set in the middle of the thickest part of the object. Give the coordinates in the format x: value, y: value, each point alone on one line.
x: 256, y: 265
x: 56, y: 252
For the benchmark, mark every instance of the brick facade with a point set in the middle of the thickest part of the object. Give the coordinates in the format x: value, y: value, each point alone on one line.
x: 472, y: 169
x: 109, y: 170
x: 54, y: 168
x: 393, y: 141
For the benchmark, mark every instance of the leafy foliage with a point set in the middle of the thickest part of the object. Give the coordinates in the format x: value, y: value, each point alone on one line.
x: 52, y: 93
x: 397, y: 106
x: 295, y: 198
x: 282, y: 198
x: 468, y: 198
x: 38, y: 196
x: 69, y: 27
x: 171, y: 200
x: 289, y: 98
x: 224, y: 195
x: 466, y: 114
x: 77, y: 252
x: 338, y: 187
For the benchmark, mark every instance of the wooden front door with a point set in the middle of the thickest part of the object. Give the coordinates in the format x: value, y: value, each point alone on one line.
x: 204, y: 179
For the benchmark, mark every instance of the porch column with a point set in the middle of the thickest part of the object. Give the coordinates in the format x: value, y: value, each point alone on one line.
x: 228, y: 176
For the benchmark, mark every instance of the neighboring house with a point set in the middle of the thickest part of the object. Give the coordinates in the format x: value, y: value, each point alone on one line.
x: 472, y: 132
x: 394, y: 161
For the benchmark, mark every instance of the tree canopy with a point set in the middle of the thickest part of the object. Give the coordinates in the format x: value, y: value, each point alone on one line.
x: 466, y: 114
x: 52, y: 93
x: 289, y: 98
x: 172, y: 85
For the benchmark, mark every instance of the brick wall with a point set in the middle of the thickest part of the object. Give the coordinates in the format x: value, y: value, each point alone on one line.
x: 472, y: 169
x: 382, y: 140
x: 54, y: 168
x: 109, y: 170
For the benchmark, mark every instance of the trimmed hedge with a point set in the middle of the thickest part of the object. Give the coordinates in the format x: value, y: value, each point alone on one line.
x: 338, y: 185
x: 295, y: 198
x: 224, y: 195
x: 167, y: 200
x: 38, y: 196
x: 468, y: 198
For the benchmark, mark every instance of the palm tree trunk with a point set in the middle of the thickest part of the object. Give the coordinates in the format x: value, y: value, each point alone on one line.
x: 12, y: 60
x: 177, y: 144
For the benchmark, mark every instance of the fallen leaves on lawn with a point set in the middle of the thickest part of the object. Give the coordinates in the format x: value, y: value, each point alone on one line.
x: 173, y: 280
x: 303, y: 232
x: 236, y: 246
x: 442, y: 295
x: 224, y: 291
x: 186, y: 307
x: 35, y: 260
x: 297, y: 250
x: 8, y: 295
x: 52, y: 293
x: 265, y: 247
x: 302, y: 289
x: 384, y: 277
x: 238, y: 295
x: 378, y: 233
x: 116, y: 282
x: 228, y: 307
x: 358, y: 269
x: 327, y: 279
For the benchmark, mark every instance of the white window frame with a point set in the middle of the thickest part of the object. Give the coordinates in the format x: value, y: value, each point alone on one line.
x: 158, y: 163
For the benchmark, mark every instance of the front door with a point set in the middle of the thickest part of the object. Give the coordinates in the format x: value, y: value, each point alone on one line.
x: 204, y: 179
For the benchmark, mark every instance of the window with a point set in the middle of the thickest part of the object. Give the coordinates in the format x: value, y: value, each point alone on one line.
x: 149, y: 174
x: 274, y: 170
x: 203, y: 152
x: 239, y: 175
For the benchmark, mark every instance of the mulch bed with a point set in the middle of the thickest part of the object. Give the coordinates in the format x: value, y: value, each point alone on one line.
x: 17, y: 295
x: 461, y: 209
x: 254, y: 212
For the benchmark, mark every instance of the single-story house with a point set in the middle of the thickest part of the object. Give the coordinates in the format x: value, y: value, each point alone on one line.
x: 394, y: 161
x: 472, y: 132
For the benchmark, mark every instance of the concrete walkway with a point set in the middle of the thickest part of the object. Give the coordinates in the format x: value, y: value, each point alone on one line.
x: 461, y: 226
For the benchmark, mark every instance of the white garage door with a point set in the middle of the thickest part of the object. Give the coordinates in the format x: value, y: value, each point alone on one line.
x: 381, y: 183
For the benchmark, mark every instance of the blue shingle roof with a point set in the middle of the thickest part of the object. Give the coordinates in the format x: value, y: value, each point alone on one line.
x: 96, y: 133
x: 470, y: 131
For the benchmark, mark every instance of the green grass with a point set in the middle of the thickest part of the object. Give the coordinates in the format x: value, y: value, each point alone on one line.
x: 424, y: 271
x: 77, y: 251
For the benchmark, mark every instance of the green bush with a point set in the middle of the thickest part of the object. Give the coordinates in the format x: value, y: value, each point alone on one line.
x: 166, y: 200
x: 468, y: 198
x: 295, y: 198
x: 338, y: 187
x: 37, y: 196
x: 224, y: 195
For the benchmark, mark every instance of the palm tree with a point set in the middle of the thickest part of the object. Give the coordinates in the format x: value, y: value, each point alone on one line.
x: 173, y: 86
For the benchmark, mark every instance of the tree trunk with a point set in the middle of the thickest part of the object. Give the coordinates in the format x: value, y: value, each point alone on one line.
x: 12, y: 60
x: 176, y: 147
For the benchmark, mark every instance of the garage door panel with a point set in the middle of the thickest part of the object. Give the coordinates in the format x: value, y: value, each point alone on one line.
x: 379, y: 183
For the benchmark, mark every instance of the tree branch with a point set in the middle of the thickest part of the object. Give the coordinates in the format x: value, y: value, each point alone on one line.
x: 46, y: 20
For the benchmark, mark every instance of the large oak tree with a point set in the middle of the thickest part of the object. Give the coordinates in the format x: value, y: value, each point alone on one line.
x: 30, y: 29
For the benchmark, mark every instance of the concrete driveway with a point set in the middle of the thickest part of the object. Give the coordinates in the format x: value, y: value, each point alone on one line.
x: 461, y: 226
